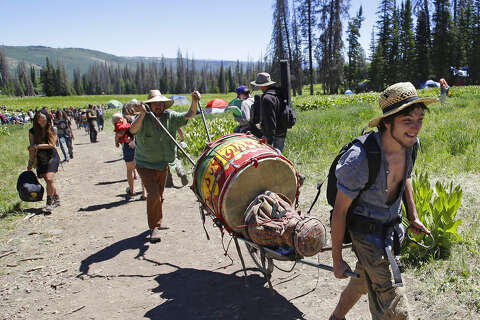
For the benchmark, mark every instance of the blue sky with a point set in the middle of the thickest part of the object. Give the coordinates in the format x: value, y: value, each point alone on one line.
x: 206, y: 29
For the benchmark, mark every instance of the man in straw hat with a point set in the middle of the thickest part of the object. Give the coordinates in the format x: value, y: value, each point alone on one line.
x: 155, y: 150
x: 375, y: 213
x: 272, y: 129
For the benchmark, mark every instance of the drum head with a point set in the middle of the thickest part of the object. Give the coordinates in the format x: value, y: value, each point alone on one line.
x: 274, y: 174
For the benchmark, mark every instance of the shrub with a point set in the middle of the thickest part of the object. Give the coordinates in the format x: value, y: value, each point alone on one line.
x: 196, y: 136
x: 437, y: 210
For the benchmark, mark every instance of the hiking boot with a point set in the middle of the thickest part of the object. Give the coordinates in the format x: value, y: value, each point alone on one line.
x: 169, y: 183
x: 56, y: 201
x: 155, y: 235
x: 49, y: 207
x: 181, y: 174
x: 129, y: 193
x: 184, y: 180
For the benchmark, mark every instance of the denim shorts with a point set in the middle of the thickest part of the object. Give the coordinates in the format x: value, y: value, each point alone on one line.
x: 128, y: 153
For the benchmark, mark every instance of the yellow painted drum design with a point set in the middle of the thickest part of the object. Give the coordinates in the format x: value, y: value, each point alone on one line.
x: 234, y: 169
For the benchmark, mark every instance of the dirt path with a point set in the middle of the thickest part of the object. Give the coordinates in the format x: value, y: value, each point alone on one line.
x: 94, y: 260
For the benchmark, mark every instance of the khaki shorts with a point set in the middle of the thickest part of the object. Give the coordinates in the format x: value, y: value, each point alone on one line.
x: 385, y: 300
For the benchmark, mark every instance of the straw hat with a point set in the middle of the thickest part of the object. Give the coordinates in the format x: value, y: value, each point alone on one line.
x: 156, y: 96
x: 263, y: 79
x: 396, y: 98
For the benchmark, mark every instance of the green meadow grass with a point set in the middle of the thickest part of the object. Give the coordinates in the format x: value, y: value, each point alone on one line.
x: 25, y: 103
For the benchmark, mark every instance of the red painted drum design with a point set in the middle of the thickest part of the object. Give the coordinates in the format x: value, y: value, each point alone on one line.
x: 234, y: 169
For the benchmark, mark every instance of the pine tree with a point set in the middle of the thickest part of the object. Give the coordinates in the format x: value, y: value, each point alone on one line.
x: 24, y: 80
x: 385, y: 14
x: 180, y: 86
x: 442, y: 39
x: 407, y: 43
x: 231, y: 83
x: 48, y: 78
x: 62, y: 87
x: 221, y: 80
x: 394, y: 66
x: 354, y: 52
x: 33, y: 76
x: 474, y: 57
x: 19, y: 92
x: 423, y: 47
x: 307, y: 11
x: 4, y: 72
x: 377, y: 68
x: 297, y: 58
x: 331, y: 44
x: 77, y: 82
x: 278, y: 42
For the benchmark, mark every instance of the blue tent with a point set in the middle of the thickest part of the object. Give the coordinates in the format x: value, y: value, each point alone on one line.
x: 180, y: 100
x: 429, y: 84
x: 348, y: 92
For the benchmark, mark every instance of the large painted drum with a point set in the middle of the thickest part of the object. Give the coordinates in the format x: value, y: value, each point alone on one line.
x: 234, y: 169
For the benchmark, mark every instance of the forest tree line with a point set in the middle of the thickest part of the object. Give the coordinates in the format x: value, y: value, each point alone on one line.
x: 414, y: 40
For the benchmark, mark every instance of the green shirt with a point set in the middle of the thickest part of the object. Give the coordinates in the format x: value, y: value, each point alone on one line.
x: 236, y: 102
x: 154, y: 149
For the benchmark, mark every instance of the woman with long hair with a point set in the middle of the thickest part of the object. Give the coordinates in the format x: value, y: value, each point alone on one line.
x: 42, y: 151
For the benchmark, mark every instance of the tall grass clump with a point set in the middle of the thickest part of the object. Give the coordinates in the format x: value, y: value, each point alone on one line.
x: 13, y: 160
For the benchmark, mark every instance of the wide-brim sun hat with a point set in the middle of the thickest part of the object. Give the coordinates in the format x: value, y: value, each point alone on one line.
x: 156, y: 96
x: 396, y: 98
x: 263, y: 80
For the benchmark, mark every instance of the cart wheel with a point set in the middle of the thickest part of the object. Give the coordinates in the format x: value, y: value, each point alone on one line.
x: 264, y: 264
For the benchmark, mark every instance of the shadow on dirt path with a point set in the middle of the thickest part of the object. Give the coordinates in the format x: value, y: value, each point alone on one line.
x: 137, y: 242
x: 202, y: 294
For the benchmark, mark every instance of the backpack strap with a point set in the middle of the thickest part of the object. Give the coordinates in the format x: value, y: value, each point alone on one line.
x: 373, y: 157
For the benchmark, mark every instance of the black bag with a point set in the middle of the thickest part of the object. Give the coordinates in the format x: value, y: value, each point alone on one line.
x: 288, y: 116
x: 255, y: 116
x: 29, y: 188
x: 374, y: 159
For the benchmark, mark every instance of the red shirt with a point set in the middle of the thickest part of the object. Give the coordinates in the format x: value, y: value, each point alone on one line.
x: 123, y: 126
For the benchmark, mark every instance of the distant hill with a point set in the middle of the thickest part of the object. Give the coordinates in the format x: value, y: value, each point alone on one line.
x: 80, y: 58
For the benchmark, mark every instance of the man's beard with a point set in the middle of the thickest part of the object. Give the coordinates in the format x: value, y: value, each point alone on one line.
x: 398, y: 140
x: 158, y: 113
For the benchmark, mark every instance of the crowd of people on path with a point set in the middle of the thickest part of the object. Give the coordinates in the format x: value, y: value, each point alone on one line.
x: 14, y: 116
x: 368, y: 212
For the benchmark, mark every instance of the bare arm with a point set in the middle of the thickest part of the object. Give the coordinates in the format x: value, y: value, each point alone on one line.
x: 412, y: 214
x: 31, y: 152
x: 71, y: 131
x: 137, y: 123
x: 193, y: 107
x: 342, y: 204
x: 180, y: 133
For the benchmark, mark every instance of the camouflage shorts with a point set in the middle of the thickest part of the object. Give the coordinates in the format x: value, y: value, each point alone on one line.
x: 385, y: 300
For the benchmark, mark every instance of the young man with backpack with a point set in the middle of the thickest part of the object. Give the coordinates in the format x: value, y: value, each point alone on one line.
x: 271, y: 108
x: 368, y: 209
